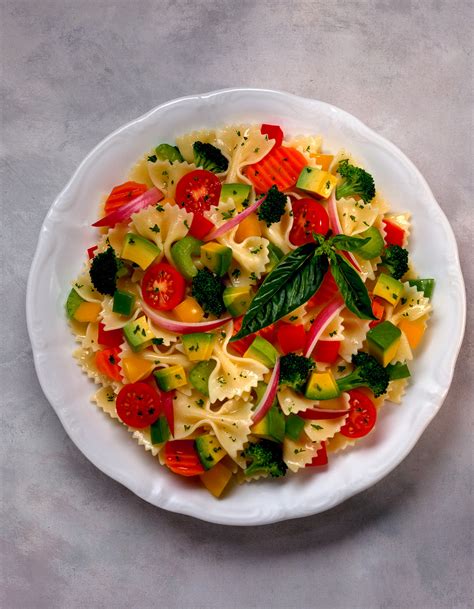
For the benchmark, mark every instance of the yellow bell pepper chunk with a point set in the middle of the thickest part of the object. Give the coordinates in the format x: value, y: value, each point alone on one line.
x: 413, y: 330
x: 136, y: 368
x: 323, y: 160
x: 87, y: 311
x: 189, y: 311
x: 216, y: 479
x: 249, y: 227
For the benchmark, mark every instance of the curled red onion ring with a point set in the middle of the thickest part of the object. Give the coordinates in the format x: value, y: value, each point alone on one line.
x: 337, y: 228
x: 323, y: 318
x: 270, y: 392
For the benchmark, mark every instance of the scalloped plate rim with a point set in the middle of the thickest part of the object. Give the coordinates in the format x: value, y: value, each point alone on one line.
x: 263, y: 517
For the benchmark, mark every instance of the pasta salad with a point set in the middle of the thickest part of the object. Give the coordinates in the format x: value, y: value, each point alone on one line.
x: 249, y: 304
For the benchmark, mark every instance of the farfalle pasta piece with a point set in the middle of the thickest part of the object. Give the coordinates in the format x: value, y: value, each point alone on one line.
x: 251, y: 254
x: 85, y: 289
x: 139, y: 172
x: 292, y: 402
x: 308, y: 145
x: 412, y: 305
x: 114, y: 321
x: 173, y: 223
x: 298, y: 454
x: 404, y: 352
x: 355, y: 216
x: 338, y: 443
x: 231, y: 423
x: 233, y: 376
x: 185, y: 142
x: 242, y: 145
x: 396, y: 391
x: 104, y: 398
x: 89, y: 341
x: 165, y: 175
x: 324, y: 429
x: 355, y: 330
x: 279, y: 232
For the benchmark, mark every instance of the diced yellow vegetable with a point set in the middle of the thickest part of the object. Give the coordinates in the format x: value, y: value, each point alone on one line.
x: 136, y: 368
x: 189, y: 311
x: 216, y: 479
x: 87, y: 311
x: 324, y: 160
x: 249, y: 227
x: 413, y: 330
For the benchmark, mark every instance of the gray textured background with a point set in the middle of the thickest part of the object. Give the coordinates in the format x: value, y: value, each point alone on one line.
x: 71, y: 73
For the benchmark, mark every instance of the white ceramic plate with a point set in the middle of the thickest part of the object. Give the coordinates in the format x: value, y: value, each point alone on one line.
x: 66, y: 233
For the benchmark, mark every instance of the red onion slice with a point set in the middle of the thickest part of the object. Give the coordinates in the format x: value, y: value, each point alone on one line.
x: 267, y: 399
x: 337, y: 228
x: 123, y: 213
x: 322, y: 320
x: 180, y: 327
x: 229, y: 225
x: 315, y: 414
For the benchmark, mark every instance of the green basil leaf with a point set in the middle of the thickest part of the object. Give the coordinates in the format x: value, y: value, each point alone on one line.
x: 291, y: 283
x: 348, y: 244
x: 351, y: 287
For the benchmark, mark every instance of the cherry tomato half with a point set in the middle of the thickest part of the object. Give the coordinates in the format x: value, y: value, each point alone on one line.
x: 308, y: 217
x: 273, y: 132
x: 181, y: 458
x: 138, y: 405
x: 198, y: 190
x: 163, y: 287
x: 362, y: 415
x: 107, y: 362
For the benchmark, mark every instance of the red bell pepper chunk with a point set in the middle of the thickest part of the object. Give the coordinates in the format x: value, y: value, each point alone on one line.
x: 326, y: 351
x: 273, y: 132
x: 378, y: 310
x: 109, y: 338
x: 325, y: 293
x: 395, y: 235
x: 320, y: 458
x: 90, y: 251
x: 291, y: 338
x: 200, y: 226
x: 167, y: 407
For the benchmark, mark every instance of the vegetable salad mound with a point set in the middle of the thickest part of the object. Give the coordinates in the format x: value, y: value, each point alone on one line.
x: 249, y: 304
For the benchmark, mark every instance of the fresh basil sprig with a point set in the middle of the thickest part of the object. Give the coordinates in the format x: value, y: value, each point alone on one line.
x: 298, y: 276
x: 346, y: 243
x: 351, y: 287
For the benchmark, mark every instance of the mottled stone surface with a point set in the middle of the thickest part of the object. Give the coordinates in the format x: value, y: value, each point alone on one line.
x: 71, y: 73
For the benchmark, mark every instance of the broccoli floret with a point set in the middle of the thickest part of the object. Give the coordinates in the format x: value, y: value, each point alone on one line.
x: 103, y: 271
x: 265, y: 457
x: 207, y: 289
x: 294, y: 370
x: 209, y: 157
x: 356, y: 182
x: 367, y: 373
x: 395, y: 258
x: 273, y: 208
